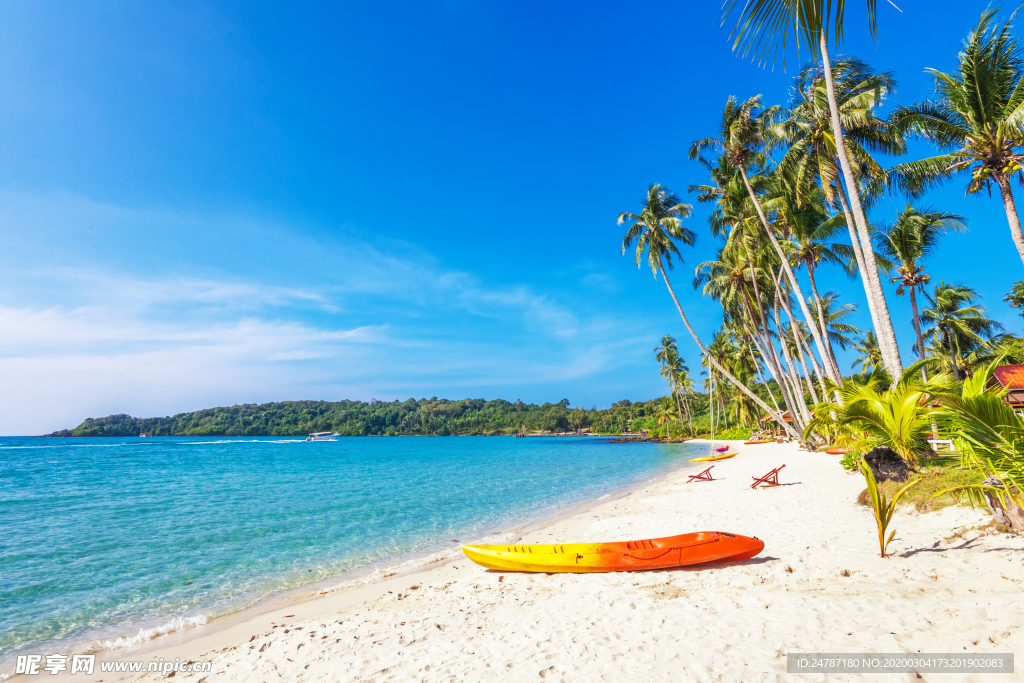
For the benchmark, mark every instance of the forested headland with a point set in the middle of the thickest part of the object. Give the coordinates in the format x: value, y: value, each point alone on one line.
x: 423, y: 417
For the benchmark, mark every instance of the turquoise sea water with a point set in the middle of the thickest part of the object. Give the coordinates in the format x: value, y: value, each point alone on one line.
x: 102, y: 538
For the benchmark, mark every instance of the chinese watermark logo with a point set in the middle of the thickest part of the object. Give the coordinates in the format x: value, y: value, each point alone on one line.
x: 31, y: 665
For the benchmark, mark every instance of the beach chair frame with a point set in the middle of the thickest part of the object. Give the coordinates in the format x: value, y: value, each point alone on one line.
x: 770, y: 479
x: 703, y: 476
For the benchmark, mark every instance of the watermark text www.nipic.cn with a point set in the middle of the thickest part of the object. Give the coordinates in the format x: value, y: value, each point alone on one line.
x: 31, y: 665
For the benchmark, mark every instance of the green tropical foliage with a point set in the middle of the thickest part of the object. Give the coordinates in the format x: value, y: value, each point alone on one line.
x: 908, y: 241
x: 1015, y: 298
x: 989, y: 435
x: 958, y: 330
x: 882, y: 506
x: 898, y: 416
x: 977, y: 118
x: 870, y: 355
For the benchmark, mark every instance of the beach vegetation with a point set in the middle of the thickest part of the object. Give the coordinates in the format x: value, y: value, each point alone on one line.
x: 934, y: 491
x: 908, y: 241
x: 958, y: 331
x: 899, y: 416
x: 989, y: 435
x: 767, y: 29
x: 883, y: 505
x: 1015, y: 297
x: 655, y: 231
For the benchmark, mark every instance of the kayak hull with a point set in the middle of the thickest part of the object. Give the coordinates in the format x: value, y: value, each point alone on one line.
x: 654, y: 553
x: 754, y: 443
x: 714, y: 457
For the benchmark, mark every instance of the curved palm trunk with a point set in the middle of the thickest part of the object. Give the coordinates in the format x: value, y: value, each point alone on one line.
x: 1011, y: 213
x: 803, y: 364
x: 795, y: 401
x: 689, y: 415
x: 883, y: 325
x: 718, y: 366
x: 798, y: 390
x: 794, y: 285
x: 757, y: 368
x: 797, y: 337
x: 679, y: 407
x: 821, y: 320
x: 917, y: 331
x: 774, y: 366
x: 952, y: 355
x: 794, y: 333
x: 773, y: 361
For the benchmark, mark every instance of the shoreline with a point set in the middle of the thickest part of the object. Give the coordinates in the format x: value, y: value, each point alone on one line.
x: 949, y: 585
x: 369, y: 582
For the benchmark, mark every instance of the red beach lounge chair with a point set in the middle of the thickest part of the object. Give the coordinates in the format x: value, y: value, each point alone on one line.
x: 770, y: 479
x: 703, y: 476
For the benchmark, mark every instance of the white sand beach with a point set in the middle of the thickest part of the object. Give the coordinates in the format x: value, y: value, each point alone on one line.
x: 819, y: 586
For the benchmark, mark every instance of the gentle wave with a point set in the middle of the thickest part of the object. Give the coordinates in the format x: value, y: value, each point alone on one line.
x: 144, y: 634
x: 378, y: 574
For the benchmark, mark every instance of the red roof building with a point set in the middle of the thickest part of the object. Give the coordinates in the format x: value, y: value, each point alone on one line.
x: 1011, y: 379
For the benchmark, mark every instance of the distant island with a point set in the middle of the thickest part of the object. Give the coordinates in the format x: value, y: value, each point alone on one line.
x: 423, y: 417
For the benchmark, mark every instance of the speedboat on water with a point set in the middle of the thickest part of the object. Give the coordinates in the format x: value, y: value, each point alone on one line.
x: 321, y: 436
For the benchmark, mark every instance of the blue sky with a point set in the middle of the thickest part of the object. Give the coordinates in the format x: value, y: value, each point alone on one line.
x: 209, y: 203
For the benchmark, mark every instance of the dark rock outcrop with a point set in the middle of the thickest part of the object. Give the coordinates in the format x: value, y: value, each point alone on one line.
x: 886, y: 465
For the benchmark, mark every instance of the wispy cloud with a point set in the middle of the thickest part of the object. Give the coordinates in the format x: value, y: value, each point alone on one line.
x: 88, y: 334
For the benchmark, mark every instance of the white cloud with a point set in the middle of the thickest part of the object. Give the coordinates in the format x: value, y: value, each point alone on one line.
x: 86, y: 334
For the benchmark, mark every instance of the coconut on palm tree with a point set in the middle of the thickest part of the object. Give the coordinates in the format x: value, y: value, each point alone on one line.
x: 908, y: 241
x: 977, y: 117
x: 655, y: 230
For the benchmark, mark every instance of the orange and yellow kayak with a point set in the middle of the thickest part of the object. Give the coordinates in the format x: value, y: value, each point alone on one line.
x: 625, y: 556
x: 714, y: 457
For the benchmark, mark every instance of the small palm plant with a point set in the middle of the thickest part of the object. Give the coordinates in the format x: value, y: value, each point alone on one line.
x: 882, y: 506
x: 898, y: 417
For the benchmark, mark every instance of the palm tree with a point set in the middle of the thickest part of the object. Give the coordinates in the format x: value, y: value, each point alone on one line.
x: 838, y: 331
x: 811, y: 232
x: 871, y: 355
x: 655, y: 230
x: 811, y: 165
x: 666, y: 417
x: 765, y: 26
x: 956, y: 324
x: 978, y: 116
x: 741, y: 139
x: 672, y: 368
x: 734, y: 217
x: 1015, y: 297
x: 913, y: 237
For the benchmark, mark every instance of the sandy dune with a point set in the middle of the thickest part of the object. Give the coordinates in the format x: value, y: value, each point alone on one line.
x: 818, y: 586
